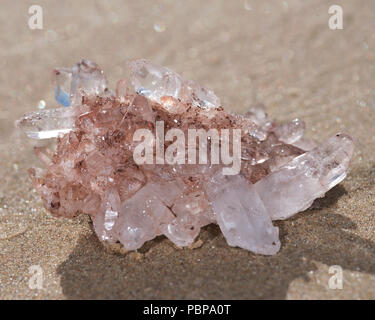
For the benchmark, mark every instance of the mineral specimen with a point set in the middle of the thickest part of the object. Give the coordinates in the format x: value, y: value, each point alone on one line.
x: 94, y: 172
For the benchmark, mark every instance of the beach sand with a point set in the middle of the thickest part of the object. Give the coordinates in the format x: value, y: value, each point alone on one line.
x: 280, y: 53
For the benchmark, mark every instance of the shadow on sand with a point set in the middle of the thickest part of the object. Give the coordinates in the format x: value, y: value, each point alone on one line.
x: 215, y: 270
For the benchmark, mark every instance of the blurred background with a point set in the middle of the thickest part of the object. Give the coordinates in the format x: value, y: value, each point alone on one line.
x: 279, y: 53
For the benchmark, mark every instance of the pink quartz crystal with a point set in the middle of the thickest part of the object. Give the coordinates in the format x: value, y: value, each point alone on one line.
x: 93, y: 170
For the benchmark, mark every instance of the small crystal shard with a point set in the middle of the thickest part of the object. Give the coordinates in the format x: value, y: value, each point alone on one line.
x: 94, y: 169
x: 85, y: 78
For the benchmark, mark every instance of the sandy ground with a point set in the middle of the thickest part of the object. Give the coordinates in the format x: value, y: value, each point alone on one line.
x: 281, y: 53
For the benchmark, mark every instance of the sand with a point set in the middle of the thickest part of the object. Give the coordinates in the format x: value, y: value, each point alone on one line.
x: 280, y: 53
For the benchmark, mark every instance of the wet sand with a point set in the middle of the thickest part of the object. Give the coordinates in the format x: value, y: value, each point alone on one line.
x: 280, y: 53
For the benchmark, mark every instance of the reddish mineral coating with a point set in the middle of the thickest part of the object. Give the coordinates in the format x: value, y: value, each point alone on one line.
x: 94, y: 170
x: 95, y: 161
x: 98, y: 154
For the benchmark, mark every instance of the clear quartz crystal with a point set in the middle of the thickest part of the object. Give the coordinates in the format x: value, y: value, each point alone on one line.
x: 153, y: 81
x: 63, y: 81
x: 241, y: 214
x: 85, y: 77
x: 123, y: 90
x: 156, y: 82
x: 291, y: 132
x: 294, y: 186
x: 201, y: 97
x: 257, y: 114
x: 47, y: 124
x: 143, y: 216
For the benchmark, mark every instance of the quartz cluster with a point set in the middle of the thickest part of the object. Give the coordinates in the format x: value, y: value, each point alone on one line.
x: 93, y: 171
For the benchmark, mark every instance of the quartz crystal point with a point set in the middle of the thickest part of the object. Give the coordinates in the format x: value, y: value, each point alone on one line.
x: 85, y: 78
x: 294, y: 186
x: 71, y: 85
x: 241, y: 214
x: 155, y: 82
x: 93, y: 170
x: 48, y: 124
